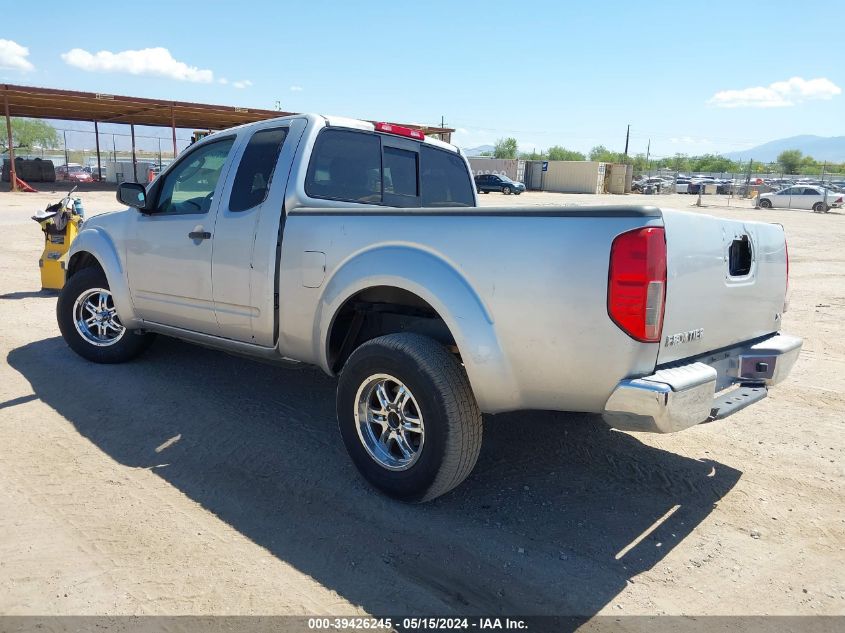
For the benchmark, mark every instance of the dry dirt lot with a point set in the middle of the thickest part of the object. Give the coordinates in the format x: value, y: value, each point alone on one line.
x: 194, y: 482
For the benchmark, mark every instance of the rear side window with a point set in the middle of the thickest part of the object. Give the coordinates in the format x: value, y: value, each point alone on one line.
x: 444, y: 179
x: 345, y: 165
x: 252, y: 182
x: 358, y: 167
x: 400, y: 172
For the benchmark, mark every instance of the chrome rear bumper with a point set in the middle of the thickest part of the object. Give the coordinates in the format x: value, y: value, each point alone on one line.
x: 678, y: 397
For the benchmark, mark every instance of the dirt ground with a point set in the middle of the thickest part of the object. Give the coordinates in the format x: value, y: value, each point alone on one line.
x: 194, y: 482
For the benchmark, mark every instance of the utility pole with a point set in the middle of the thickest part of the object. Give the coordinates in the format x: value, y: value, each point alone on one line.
x: 627, y: 138
x: 824, y: 168
x: 647, y: 154
x: 64, y: 134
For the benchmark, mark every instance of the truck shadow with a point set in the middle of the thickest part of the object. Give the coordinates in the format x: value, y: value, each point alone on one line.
x: 557, y: 518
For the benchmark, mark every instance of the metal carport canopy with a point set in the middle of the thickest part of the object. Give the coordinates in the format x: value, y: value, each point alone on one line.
x: 49, y: 103
x: 71, y: 105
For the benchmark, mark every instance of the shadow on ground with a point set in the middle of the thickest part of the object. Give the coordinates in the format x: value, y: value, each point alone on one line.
x: 28, y: 294
x: 547, y: 523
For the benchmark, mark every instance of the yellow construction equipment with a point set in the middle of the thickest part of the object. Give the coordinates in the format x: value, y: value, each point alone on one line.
x: 60, y: 224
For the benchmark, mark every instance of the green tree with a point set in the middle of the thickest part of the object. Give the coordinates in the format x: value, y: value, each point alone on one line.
x: 603, y: 155
x: 533, y: 155
x: 505, y: 148
x: 30, y: 133
x: 640, y: 163
x: 790, y: 160
x: 713, y: 163
x: 557, y: 152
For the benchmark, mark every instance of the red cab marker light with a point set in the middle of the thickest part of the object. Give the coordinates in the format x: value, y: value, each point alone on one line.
x: 400, y: 130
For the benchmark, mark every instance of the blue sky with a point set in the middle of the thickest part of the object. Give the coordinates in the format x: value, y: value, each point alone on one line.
x: 692, y: 77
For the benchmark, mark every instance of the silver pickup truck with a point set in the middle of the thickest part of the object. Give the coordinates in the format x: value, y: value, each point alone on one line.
x: 358, y: 247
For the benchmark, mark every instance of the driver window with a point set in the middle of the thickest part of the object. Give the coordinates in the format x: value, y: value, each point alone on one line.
x: 189, y: 188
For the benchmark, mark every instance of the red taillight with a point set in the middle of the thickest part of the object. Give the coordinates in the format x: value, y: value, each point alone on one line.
x: 838, y: 200
x: 400, y: 130
x: 636, y: 287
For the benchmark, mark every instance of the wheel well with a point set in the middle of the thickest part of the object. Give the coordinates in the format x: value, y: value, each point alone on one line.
x: 81, y: 260
x: 378, y: 311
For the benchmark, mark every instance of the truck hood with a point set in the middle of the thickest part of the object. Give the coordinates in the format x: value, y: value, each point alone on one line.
x: 107, y: 220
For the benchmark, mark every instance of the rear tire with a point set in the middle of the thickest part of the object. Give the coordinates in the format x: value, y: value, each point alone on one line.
x: 89, y: 323
x: 820, y: 207
x: 407, y: 416
x: 506, y: 190
x: 766, y: 204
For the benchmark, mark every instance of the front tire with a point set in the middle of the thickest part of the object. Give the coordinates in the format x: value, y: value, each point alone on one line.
x: 506, y: 190
x: 407, y: 416
x: 766, y: 204
x: 89, y: 323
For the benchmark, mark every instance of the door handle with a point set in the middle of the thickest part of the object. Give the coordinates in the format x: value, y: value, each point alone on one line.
x: 199, y: 235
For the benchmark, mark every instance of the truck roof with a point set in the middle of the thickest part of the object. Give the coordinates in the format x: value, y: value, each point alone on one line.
x: 344, y: 122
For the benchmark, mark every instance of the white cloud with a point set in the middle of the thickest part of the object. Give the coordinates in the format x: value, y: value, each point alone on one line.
x: 244, y: 83
x: 147, y: 61
x: 223, y: 81
x: 14, y: 56
x: 296, y: 88
x: 779, y: 94
x: 689, y: 140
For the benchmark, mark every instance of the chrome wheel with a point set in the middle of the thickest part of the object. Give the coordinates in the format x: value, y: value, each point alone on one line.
x: 389, y: 422
x: 95, y: 318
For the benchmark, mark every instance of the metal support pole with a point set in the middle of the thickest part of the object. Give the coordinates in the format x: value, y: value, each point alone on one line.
x: 173, y: 129
x: 67, y: 160
x: 97, y: 139
x: 13, y: 174
x: 134, y: 158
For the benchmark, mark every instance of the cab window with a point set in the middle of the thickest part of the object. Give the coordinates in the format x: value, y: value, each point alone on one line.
x: 444, y: 179
x: 189, y: 186
x: 252, y: 182
x: 345, y: 165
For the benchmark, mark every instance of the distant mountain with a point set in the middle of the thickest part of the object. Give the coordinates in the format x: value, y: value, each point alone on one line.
x: 477, y: 151
x: 822, y: 148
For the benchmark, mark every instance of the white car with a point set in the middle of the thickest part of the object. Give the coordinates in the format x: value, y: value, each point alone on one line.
x: 802, y: 197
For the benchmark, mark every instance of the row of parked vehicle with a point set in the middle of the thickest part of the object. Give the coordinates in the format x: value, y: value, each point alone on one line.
x: 683, y: 184
x: 783, y: 193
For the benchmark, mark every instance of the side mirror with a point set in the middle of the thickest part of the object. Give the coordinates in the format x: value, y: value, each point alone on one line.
x: 132, y: 195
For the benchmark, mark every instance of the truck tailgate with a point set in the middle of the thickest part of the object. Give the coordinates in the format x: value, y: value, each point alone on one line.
x: 726, y: 283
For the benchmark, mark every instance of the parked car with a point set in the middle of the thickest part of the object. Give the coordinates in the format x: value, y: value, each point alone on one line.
x: 695, y: 184
x: 73, y: 172
x: 429, y: 310
x: 485, y: 183
x: 682, y: 185
x: 818, y: 199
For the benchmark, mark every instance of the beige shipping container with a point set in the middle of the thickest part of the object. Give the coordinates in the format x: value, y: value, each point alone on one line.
x: 617, y: 178
x: 574, y: 176
x: 500, y: 166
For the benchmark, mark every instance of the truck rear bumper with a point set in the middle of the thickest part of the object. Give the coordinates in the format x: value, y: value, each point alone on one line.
x: 683, y: 395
